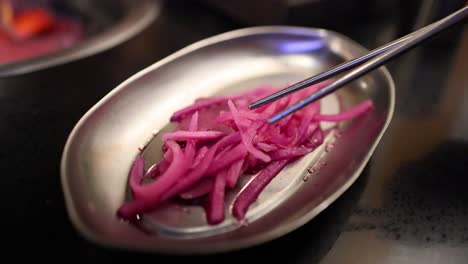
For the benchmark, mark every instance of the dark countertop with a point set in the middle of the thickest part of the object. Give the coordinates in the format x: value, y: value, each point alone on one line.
x: 409, y: 205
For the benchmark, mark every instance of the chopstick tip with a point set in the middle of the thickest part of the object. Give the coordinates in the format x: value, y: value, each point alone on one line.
x: 274, y: 119
x: 256, y: 104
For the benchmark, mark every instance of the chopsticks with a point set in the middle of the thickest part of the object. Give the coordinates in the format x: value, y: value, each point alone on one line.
x: 361, y: 65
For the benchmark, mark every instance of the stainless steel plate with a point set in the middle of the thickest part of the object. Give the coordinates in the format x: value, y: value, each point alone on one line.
x: 102, y: 146
x: 106, y: 24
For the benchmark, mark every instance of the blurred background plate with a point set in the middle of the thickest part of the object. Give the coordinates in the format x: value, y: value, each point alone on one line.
x: 104, y: 25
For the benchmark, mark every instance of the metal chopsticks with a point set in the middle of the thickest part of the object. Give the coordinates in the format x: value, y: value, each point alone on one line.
x: 362, y: 65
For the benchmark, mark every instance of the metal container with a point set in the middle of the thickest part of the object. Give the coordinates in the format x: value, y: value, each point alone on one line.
x: 106, y: 24
x: 103, y: 144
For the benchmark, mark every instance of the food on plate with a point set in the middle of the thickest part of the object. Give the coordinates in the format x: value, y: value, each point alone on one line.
x: 30, y: 31
x: 218, y: 140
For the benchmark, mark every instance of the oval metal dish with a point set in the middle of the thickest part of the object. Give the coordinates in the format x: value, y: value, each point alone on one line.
x: 106, y: 24
x: 102, y: 146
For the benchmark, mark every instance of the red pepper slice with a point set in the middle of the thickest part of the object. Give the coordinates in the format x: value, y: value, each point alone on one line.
x: 32, y: 22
